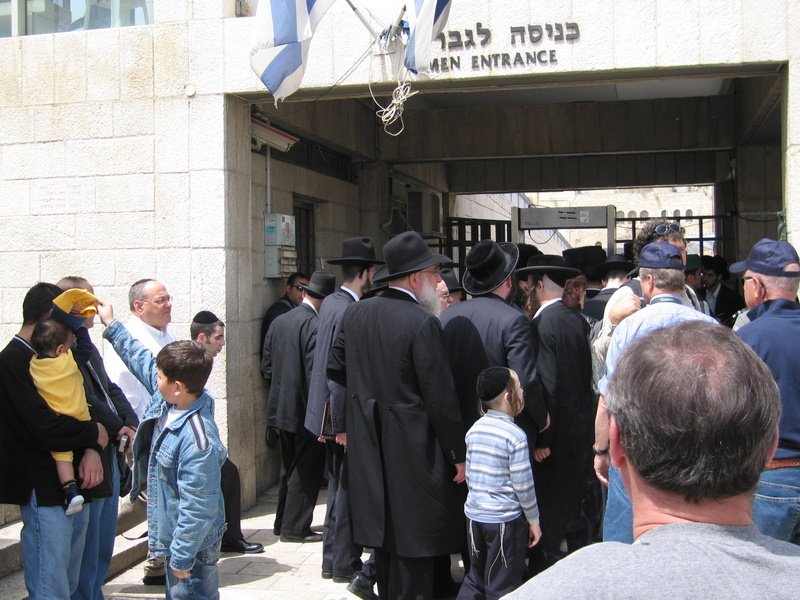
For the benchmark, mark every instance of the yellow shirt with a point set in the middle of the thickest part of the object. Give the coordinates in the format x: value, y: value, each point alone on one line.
x: 60, y: 383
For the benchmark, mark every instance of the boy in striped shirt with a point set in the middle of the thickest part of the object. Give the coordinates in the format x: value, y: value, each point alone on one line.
x: 501, y: 510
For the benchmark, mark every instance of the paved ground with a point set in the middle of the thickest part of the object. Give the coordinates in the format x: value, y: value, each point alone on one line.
x: 282, y: 571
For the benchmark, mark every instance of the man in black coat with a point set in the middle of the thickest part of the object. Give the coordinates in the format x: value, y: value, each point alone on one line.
x: 722, y: 300
x: 286, y: 367
x: 292, y: 296
x: 325, y: 416
x: 488, y: 332
x: 52, y: 543
x: 563, y: 455
x: 612, y: 273
x: 405, y: 439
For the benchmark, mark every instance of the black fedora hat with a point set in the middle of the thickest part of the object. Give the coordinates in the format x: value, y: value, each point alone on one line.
x: 408, y: 253
x: 450, y: 280
x: 356, y: 251
x: 487, y: 265
x: 320, y: 285
x: 552, y: 265
x: 585, y: 258
x: 615, y: 262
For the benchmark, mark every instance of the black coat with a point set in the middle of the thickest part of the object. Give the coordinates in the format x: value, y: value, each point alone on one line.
x: 280, y: 307
x: 286, y: 367
x: 113, y: 416
x: 728, y: 304
x: 488, y: 332
x: 595, y: 306
x: 565, y: 367
x: 404, y: 432
x: 322, y: 389
x: 30, y: 430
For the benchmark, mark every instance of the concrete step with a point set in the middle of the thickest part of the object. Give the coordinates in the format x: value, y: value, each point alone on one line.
x: 129, y: 549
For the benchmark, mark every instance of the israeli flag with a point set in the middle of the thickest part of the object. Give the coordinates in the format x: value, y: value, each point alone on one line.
x: 283, y: 34
x: 426, y: 21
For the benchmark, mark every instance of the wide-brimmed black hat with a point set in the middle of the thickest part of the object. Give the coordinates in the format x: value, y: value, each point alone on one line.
x: 615, y: 262
x: 408, y: 253
x: 450, y: 280
x: 320, y: 285
x: 488, y: 264
x: 356, y: 251
x: 555, y: 267
x: 585, y: 258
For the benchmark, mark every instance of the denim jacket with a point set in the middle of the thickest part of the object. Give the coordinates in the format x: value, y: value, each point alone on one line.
x: 180, y: 469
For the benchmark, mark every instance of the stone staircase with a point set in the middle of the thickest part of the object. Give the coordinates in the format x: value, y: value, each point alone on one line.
x: 129, y: 548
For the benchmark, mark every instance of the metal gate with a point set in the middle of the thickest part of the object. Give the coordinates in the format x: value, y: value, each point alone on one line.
x: 462, y: 234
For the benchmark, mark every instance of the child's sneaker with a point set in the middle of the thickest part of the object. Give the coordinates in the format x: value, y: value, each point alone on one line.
x: 73, y: 501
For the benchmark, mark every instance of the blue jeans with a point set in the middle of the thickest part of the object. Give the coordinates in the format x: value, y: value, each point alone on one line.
x: 99, y: 545
x: 203, y: 580
x: 618, y: 519
x: 52, y: 547
x: 776, y: 507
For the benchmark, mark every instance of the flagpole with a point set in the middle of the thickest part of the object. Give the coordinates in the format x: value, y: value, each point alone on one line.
x: 361, y: 18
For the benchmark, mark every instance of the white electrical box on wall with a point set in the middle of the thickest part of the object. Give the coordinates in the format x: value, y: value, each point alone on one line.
x: 278, y: 230
x: 279, y: 261
x: 280, y: 256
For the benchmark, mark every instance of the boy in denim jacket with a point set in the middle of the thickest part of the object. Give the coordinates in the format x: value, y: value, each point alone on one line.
x: 178, y: 453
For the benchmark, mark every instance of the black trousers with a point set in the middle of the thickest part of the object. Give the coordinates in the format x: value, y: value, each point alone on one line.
x: 405, y: 578
x: 302, y: 465
x: 497, y: 552
x: 339, y: 554
x: 232, y: 495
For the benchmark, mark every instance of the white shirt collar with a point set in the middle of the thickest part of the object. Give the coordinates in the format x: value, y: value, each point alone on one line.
x: 404, y: 290
x: 307, y: 302
x: 545, y: 305
x: 351, y: 292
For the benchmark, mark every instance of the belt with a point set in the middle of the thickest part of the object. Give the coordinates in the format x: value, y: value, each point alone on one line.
x: 783, y: 463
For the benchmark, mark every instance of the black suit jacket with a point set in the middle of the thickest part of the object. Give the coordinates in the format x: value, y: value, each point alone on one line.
x: 286, y: 366
x: 488, y: 332
x: 404, y: 430
x: 727, y: 305
x: 322, y: 389
x: 280, y: 307
x: 113, y: 417
x: 594, y: 307
x: 30, y: 430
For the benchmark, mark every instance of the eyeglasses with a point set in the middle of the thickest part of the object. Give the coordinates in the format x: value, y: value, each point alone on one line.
x: 668, y: 227
x: 160, y: 301
x: 297, y: 287
x: 431, y: 271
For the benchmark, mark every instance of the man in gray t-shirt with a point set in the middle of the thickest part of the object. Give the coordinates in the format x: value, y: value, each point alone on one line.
x: 694, y: 418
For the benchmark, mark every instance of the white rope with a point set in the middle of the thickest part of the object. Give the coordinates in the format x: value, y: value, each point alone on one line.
x: 393, y: 112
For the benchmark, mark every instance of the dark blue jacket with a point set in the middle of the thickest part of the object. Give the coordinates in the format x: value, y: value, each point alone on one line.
x: 774, y: 334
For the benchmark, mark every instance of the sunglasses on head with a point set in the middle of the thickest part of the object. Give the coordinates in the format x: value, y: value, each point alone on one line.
x: 668, y: 227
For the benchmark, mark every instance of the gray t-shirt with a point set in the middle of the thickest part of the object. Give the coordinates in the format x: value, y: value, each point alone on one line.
x: 687, y: 560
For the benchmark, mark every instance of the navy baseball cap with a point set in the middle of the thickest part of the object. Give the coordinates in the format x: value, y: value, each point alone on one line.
x: 769, y: 257
x: 660, y: 255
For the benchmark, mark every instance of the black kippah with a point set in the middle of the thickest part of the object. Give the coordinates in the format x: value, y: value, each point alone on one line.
x: 205, y: 317
x: 491, y: 383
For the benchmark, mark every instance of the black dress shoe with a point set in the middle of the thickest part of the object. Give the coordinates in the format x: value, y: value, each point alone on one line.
x: 342, y: 578
x: 242, y: 546
x: 361, y: 587
x: 301, y: 538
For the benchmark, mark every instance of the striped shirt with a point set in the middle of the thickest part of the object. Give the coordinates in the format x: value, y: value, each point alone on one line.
x: 499, y: 475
